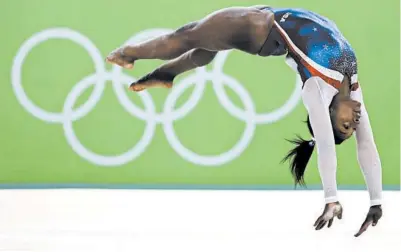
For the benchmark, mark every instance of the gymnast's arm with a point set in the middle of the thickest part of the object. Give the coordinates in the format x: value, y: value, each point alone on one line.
x: 368, y: 156
x: 317, y: 96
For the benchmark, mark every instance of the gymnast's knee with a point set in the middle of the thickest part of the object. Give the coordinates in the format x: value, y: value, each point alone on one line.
x: 201, y: 57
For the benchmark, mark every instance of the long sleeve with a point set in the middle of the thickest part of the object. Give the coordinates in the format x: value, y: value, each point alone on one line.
x: 368, y: 156
x: 317, y: 96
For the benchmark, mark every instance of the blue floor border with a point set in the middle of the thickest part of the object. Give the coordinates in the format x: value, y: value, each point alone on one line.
x: 17, y: 186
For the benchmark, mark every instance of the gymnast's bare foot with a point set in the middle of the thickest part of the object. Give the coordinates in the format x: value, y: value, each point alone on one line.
x: 120, y: 58
x: 154, y: 79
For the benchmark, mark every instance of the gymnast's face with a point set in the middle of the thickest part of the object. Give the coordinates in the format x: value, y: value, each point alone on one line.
x: 345, y: 116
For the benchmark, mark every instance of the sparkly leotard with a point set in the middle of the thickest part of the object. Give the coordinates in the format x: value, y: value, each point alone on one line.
x: 315, y: 44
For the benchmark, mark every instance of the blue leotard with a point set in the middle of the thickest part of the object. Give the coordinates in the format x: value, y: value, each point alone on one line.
x: 315, y: 44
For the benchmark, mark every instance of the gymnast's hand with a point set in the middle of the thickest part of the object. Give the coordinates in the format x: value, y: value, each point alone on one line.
x: 374, y: 215
x: 120, y: 58
x: 330, y: 211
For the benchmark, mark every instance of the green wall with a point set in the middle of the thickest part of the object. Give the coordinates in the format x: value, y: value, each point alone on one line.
x: 80, y: 128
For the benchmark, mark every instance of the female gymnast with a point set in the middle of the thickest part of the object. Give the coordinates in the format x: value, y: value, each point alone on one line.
x: 316, y: 49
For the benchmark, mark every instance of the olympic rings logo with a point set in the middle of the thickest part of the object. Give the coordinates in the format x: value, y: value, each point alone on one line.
x: 199, y: 78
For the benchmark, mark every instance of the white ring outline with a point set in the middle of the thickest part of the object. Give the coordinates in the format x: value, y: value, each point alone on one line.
x: 28, y: 45
x: 76, y: 145
x: 222, y: 158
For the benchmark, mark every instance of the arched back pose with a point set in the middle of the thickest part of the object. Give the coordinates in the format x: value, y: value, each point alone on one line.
x: 316, y: 49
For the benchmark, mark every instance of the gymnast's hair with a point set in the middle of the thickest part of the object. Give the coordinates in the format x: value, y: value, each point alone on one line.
x: 299, y: 156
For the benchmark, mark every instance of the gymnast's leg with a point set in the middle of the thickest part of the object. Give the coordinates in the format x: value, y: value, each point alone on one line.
x: 196, y: 44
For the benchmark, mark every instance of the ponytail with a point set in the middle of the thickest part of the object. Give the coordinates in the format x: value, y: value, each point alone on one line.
x: 299, y: 156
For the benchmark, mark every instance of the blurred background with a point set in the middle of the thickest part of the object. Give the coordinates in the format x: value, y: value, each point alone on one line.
x: 67, y: 119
